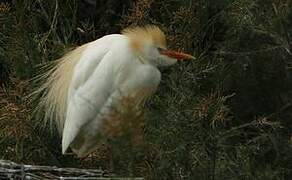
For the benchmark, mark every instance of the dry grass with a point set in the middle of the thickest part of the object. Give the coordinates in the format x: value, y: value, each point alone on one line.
x: 14, y: 116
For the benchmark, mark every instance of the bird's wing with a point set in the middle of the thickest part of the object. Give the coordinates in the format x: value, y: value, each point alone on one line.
x: 90, y: 59
x: 86, y: 98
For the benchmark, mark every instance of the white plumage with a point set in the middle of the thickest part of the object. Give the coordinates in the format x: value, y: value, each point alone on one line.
x: 98, y: 76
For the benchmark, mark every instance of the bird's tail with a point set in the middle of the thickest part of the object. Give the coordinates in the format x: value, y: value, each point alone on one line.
x: 53, y: 92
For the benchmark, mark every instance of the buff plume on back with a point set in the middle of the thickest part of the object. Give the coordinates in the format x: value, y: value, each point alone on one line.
x: 55, y: 88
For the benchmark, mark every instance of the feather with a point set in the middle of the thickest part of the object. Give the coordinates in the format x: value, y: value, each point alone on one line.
x: 140, y: 35
x: 55, y: 88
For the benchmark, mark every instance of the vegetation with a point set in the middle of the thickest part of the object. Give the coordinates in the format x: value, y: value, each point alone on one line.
x: 226, y: 115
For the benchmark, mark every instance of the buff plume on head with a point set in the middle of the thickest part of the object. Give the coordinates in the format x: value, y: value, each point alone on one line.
x: 139, y: 35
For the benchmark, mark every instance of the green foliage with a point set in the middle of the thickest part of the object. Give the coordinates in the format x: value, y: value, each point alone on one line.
x: 226, y: 115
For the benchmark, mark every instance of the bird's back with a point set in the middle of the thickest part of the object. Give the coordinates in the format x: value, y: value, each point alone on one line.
x: 57, y: 81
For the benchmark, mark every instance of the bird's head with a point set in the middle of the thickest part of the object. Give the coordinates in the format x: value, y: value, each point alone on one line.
x: 149, y: 43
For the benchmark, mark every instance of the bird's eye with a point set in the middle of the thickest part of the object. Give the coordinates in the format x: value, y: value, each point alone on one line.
x: 160, y: 49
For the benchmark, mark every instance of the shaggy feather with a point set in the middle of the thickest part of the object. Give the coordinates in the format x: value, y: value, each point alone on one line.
x: 55, y: 88
x: 139, y: 35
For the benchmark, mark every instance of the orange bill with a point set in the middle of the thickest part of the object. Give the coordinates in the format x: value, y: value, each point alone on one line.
x: 177, y: 55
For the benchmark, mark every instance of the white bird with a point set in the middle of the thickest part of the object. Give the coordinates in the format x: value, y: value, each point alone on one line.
x: 88, y: 82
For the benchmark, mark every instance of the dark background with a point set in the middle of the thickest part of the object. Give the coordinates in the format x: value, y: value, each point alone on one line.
x: 226, y: 115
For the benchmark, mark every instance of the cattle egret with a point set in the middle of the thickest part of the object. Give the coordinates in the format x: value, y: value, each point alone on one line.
x: 92, y: 79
